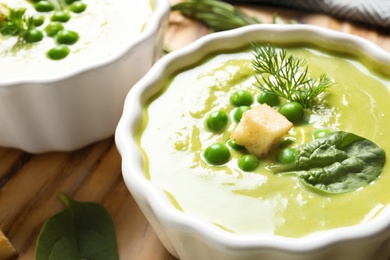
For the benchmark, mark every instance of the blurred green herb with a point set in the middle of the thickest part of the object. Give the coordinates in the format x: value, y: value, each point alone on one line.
x: 217, y: 15
x: 286, y: 76
x: 14, y: 22
x: 83, y: 230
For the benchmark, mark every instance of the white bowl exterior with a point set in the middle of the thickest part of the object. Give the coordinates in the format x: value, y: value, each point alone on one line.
x: 74, y: 110
x: 188, y: 237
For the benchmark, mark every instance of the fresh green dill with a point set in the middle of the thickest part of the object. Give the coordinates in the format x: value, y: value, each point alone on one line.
x: 286, y: 76
x: 15, y: 22
x: 217, y: 15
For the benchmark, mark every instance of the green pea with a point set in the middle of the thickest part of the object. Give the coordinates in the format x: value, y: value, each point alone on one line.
x: 268, y: 98
x: 237, y: 113
x: 67, y: 37
x: 44, y: 6
x: 58, y: 53
x: 53, y: 28
x: 248, y: 162
x: 217, y: 154
x: 33, y: 35
x: 286, y: 155
x: 217, y: 120
x: 60, y: 16
x: 38, y: 21
x: 293, y: 111
x: 234, y: 145
x: 320, y: 133
x: 71, y: 1
x: 241, y: 98
x: 78, y: 7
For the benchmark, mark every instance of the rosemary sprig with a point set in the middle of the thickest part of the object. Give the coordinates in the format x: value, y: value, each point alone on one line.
x: 217, y: 15
x: 286, y: 76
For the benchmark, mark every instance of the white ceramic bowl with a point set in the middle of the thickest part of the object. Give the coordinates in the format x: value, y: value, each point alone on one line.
x: 188, y: 237
x: 79, y: 107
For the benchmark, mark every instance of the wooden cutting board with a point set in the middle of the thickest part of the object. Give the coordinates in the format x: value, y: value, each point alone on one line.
x: 29, y: 183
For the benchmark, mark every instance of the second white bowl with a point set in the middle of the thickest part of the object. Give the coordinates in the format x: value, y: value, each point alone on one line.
x: 83, y: 105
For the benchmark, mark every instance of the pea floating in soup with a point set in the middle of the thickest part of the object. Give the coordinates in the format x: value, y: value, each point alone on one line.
x: 244, y: 195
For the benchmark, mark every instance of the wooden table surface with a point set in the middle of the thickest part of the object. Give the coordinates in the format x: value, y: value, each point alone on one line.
x: 29, y: 183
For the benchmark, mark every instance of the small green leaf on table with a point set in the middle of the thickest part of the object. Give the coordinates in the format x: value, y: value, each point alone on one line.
x: 83, y: 230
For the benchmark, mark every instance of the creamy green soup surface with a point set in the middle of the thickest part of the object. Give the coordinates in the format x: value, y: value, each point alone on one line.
x: 262, y: 202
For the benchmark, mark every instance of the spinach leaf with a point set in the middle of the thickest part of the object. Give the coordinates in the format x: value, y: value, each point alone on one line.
x: 338, y: 162
x: 83, y: 230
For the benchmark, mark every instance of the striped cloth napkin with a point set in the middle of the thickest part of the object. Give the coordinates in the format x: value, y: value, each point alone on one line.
x: 369, y: 12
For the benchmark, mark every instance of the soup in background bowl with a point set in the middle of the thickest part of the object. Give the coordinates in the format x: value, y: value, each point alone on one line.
x: 64, y: 76
x: 203, y: 208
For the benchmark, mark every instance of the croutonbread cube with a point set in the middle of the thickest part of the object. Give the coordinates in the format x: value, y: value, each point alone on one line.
x: 261, y: 129
x: 7, y: 251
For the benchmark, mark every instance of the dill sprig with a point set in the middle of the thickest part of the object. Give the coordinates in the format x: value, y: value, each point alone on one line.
x: 286, y: 76
x: 15, y: 23
x: 217, y: 15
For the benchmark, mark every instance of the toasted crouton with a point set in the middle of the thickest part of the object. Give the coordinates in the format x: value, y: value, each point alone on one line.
x: 261, y: 129
x: 7, y: 251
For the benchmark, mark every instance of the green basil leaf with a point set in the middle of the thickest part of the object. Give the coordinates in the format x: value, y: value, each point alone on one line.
x: 83, y: 230
x: 338, y: 162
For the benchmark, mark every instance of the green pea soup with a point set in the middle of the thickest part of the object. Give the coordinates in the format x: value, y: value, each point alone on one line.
x: 174, y: 138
